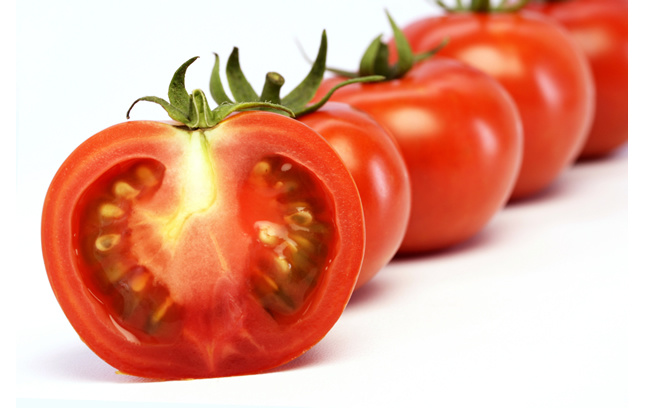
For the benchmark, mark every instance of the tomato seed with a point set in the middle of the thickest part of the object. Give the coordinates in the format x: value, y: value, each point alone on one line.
x: 139, y: 281
x: 161, y: 310
x: 107, y: 242
x: 125, y: 190
x: 109, y: 210
x: 301, y: 218
x: 146, y: 175
x: 282, y: 265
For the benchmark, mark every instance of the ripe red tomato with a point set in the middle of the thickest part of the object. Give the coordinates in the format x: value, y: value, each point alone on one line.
x: 600, y: 27
x: 543, y: 69
x: 460, y: 135
x: 378, y: 169
x: 180, y: 253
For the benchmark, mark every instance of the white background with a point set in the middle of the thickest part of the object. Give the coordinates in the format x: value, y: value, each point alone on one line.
x: 541, y: 309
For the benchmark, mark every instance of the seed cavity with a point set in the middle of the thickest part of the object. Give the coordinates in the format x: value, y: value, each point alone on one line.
x: 106, y: 242
x: 125, y: 190
x: 110, y: 211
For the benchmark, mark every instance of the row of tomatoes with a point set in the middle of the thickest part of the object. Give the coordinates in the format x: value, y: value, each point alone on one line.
x: 230, y: 243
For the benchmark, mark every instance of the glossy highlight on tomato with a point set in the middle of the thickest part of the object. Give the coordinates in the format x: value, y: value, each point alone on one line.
x: 541, y: 67
x: 600, y: 28
x: 180, y: 253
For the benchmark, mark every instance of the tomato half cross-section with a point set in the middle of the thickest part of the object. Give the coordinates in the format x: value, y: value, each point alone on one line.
x: 180, y: 252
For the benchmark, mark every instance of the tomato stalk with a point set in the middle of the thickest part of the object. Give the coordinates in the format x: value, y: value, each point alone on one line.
x: 375, y: 60
x: 193, y: 109
x: 297, y: 101
x: 484, y: 6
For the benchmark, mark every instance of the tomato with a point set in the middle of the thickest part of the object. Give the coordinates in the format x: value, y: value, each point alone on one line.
x: 542, y: 68
x: 378, y: 168
x: 600, y: 27
x: 460, y: 136
x: 179, y: 253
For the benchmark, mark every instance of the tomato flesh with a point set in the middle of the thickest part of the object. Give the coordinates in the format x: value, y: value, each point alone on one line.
x: 190, y: 254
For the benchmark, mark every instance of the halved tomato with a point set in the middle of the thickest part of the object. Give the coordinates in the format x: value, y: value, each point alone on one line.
x: 179, y: 253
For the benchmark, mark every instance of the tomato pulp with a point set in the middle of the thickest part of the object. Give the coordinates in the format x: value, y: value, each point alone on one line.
x: 460, y: 135
x: 542, y: 68
x: 217, y: 252
x: 378, y: 168
x: 600, y: 27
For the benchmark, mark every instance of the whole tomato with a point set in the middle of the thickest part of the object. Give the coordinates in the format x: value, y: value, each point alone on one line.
x: 460, y: 135
x: 366, y: 148
x: 542, y: 68
x: 223, y: 245
x: 600, y: 27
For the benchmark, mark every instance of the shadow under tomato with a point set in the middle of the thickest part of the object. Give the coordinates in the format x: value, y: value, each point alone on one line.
x: 78, y: 363
x: 479, y: 241
x: 319, y: 354
x: 368, y: 293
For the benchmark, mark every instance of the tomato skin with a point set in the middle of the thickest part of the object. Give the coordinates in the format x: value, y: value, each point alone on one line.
x: 542, y: 68
x: 600, y: 27
x: 378, y: 168
x: 461, y: 139
x: 225, y: 331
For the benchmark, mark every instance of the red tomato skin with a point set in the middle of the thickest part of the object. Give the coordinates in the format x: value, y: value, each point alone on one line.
x: 378, y: 168
x: 542, y: 68
x: 235, y: 336
x: 461, y: 139
x: 600, y: 27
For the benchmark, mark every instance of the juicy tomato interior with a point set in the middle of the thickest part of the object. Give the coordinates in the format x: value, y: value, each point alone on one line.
x: 282, y: 207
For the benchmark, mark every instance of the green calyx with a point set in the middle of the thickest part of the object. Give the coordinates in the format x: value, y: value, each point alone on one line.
x: 376, y: 59
x: 193, y: 109
x: 484, y: 6
x: 296, y: 101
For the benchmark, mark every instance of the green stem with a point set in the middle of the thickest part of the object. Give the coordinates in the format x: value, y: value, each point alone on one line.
x: 271, y: 90
x: 193, y: 109
x: 322, y: 101
x: 484, y: 6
